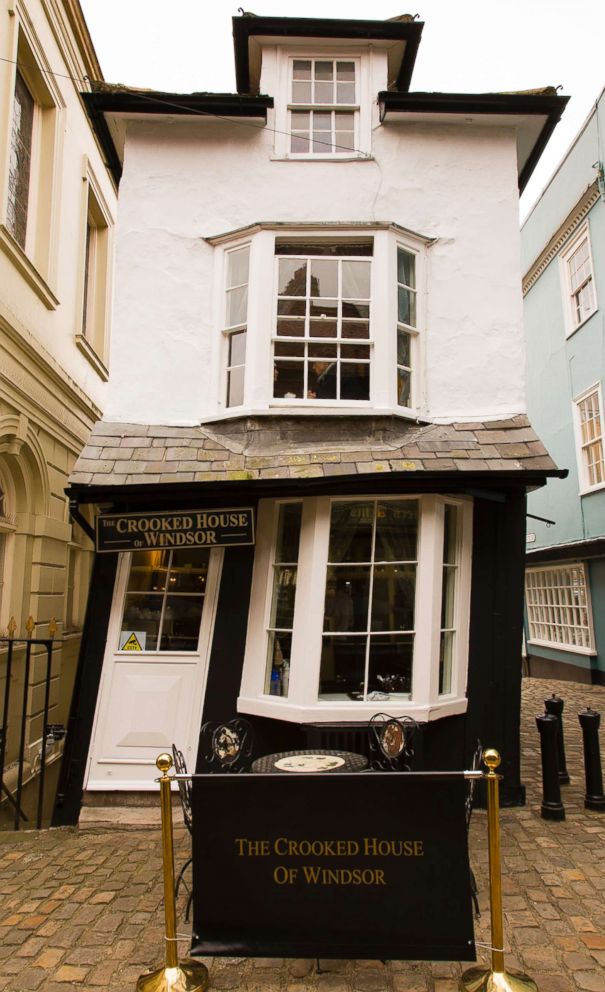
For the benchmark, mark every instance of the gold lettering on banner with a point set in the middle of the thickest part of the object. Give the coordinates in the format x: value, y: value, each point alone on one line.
x: 309, y: 874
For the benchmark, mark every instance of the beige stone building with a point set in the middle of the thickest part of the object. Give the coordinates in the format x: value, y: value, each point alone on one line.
x: 57, y: 214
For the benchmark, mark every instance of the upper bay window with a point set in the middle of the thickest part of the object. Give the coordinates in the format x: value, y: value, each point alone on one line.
x: 356, y: 605
x: 331, y: 322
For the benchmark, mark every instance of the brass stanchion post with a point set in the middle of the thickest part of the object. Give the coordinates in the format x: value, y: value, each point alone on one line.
x: 188, y: 976
x: 495, y: 979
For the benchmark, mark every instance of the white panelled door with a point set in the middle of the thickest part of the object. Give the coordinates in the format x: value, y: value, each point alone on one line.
x: 154, y: 672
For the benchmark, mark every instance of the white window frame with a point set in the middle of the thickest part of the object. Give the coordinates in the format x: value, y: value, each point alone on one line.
x: 585, y: 486
x: 539, y: 615
x: 572, y: 324
x: 362, y: 108
x: 303, y: 704
x: 262, y: 316
x: 37, y: 260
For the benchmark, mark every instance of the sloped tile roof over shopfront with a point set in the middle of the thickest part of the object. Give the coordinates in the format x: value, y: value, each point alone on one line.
x: 251, y: 448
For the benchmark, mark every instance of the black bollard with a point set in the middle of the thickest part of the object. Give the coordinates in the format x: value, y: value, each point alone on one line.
x: 594, y: 798
x: 552, y: 807
x: 554, y: 706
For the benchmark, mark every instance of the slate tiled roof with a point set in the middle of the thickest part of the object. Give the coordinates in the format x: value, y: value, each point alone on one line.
x: 249, y: 448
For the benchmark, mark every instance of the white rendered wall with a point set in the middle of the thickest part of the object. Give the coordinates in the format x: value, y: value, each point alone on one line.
x: 187, y: 180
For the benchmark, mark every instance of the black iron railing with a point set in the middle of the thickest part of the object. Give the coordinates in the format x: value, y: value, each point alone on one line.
x: 20, y: 652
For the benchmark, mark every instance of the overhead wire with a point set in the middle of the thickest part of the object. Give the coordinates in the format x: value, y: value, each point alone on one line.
x: 190, y: 110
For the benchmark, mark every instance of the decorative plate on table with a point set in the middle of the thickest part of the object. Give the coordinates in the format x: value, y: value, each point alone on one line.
x: 309, y: 763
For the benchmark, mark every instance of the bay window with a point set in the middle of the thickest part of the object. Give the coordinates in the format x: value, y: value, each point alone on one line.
x: 315, y: 320
x: 359, y: 604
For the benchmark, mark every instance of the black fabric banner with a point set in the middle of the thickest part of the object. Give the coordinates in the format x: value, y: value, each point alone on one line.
x: 333, y: 866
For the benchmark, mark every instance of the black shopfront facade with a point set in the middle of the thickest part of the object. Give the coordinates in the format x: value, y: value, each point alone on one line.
x: 376, y: 588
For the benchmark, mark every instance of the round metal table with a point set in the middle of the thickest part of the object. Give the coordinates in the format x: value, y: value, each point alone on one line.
x: 308, y: 761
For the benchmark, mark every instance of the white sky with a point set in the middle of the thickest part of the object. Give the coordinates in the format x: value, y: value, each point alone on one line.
x: 472, y: 46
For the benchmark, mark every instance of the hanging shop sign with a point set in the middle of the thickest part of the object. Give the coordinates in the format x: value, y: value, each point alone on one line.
x: 179, y: 529
x: 331, y: 866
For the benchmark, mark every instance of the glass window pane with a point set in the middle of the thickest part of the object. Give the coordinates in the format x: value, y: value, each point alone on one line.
x: 390, y: 668
x: 406, y: 306
x: 321, y: 328
x: 235, y: 386
x: 450, y: 534
x: 396, y: 530
x: 288, y: 533
x: 347, y: 598
x: 318, y: 350
x: 237, y: 306
x: 300, y: 120
x: 351, y: 526
x: 181, y: 625
x: 323, y: 380
x: 354, y: 382
x: 237, y: 267
x: 355, y: 329
x: 393, y: 596
x: 301, y: 92
x: 189, y: 570
x: 351, y: 351
x: 355, y: 310
x: 288, y: 379
x: 20, y: 160
x: 446, y: 653
x: 324, y: 92
x: 284, y: 594
x: 289, y: 349
x: 237, y: 348
x: 356, y: 280
x: 406, y: 268
x: 148, y: 571
x: 345, y: 71
x: 299, y: 144
x: 404, y: 382
x: 302, y: 69
x: 324, y: 277
x: 292, y: 278
x: 322, y: 122
x: 291, y: 328
x: 324, y: 70
x: 278, y: 663
x: 344, y: 140
x: 322, y: 142
x: 342, y: 667
x: 324, y: 308
x: 403, y: 347
x: 447, y: 598
x: 345, y: 92
x: 142, y: 615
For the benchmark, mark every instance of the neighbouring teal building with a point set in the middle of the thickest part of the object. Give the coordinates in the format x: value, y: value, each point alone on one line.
x: 563, y: 256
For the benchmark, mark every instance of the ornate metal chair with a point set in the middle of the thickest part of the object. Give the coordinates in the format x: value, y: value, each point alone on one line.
x: 226, y: 747
x: 392, y: 742
x: 180, y: 768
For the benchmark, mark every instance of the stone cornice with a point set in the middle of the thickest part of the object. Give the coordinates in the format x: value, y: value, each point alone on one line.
x: 569, y: 225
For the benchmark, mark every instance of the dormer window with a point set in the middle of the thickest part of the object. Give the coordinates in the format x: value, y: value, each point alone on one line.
x: 323, y: 107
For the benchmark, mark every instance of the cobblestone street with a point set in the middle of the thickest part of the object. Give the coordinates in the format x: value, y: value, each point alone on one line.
x: 84, y: 907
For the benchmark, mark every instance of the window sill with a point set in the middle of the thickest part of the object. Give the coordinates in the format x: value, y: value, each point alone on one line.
x: 592, y: 489
x: 27, y: 269
x: 361, y: 157
x: 572, y: 648
x: 571, y: 331
x: 282, y: 709
x: 91, y: 356
x: 286, y: 408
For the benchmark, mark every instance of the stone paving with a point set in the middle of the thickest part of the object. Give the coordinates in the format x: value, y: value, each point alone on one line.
x: 83, y: 908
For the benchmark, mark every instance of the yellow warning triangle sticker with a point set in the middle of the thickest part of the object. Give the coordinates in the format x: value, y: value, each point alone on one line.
x: 132, y: 644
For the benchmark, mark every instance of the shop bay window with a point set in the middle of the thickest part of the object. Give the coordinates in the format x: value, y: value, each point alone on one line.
x: 359, y: 605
